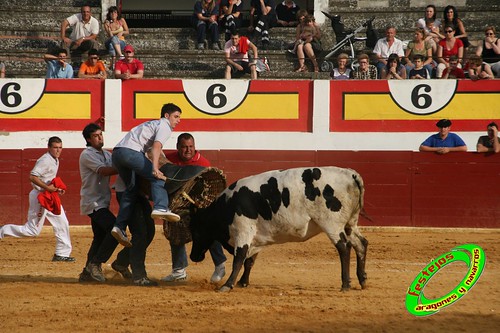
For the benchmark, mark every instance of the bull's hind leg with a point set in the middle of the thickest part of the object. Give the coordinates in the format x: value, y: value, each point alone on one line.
x: 344, y: 249
x: 360, y: 245
x: 245, y: 278
x: 239, y: 258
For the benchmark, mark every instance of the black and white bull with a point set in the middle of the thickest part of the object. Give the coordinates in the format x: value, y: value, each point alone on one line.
x: 282, y: 206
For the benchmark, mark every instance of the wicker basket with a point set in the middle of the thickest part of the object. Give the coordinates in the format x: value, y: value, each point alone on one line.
x: 199, y: 191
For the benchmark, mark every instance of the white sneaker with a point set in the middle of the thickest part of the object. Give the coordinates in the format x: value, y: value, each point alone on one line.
x: 176, y: 276
x: 165, y: 215
x: 219, y: 273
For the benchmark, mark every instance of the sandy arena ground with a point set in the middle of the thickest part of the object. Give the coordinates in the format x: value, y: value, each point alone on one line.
x: 293, y: 288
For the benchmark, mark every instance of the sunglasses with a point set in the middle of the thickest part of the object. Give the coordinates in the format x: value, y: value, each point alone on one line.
x: 94, y: 57
x: 449, y: 31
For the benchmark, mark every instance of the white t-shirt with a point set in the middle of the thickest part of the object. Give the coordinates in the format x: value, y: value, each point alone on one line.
x: 46, y: 169
x: 142, y: 137
x: 421, y: 24
x: 234, y: 51
x: 81, y: 29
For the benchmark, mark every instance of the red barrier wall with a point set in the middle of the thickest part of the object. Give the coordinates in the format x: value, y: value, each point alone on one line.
x: 403, y: 188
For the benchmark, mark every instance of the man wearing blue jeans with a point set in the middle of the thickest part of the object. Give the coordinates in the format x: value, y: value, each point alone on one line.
x: 130, y: 160
x: 187, y: 154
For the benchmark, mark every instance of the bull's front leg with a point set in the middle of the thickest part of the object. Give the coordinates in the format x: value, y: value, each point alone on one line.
x: 238, y: 260
x: 245, y: 278
x: 344, y: 249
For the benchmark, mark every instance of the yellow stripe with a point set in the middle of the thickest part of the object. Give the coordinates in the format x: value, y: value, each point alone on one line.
x: 255, y: 106
x: 382, y: 107
x: 57, y: 106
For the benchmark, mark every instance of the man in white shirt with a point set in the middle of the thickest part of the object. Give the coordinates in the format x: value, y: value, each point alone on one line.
x: 386, y: 46
x: 84, y: 34
x: 130, y: 160
x: 236, y: 55
x: 44, y: 171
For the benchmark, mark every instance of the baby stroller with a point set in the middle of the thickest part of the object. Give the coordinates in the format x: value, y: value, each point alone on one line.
x: 348, y: 37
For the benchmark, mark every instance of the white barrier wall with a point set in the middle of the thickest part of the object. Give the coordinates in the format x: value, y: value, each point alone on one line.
x: 65, y: 106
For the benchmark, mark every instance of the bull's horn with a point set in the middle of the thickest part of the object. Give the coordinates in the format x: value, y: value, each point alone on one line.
x: 188, y: 198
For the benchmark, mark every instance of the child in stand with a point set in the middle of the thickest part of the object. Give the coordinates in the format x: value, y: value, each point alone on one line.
x: 419, y: 71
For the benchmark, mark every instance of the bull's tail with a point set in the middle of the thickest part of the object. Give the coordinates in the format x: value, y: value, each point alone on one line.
x: 359, y: 182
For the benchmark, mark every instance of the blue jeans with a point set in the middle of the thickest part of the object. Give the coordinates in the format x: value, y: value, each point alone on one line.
x: 113, y: 41
x: 179, y: 255
x: 201, y: 31
x: 130, y: 164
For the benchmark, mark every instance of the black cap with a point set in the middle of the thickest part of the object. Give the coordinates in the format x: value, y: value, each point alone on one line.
x: 443, y: 123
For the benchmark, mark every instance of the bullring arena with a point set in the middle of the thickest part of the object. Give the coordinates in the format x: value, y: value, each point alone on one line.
x: 422, y: 205
x: 293, y: 288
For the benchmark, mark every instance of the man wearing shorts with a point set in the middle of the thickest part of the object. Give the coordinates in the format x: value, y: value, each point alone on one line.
x: 236, y: 53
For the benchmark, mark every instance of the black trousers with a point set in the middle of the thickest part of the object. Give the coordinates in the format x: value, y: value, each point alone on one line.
x: 142, y: 228
x: 103, y: 244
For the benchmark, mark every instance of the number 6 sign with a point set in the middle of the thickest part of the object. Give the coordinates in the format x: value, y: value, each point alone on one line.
x: 19, y: 96
x: 422, y: 97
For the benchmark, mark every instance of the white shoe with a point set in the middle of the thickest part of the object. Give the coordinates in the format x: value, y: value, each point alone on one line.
x: 176, y: 276
x: 219, y: 273
x: 165, y: 215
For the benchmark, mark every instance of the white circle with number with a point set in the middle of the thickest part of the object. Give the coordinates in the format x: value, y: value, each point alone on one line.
x: 422, y: 97
x: 19, y: 95
x: 216, y: 97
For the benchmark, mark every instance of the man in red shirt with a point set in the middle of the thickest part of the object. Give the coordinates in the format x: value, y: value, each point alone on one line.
x: 187, y: 154
x: 129, y: 68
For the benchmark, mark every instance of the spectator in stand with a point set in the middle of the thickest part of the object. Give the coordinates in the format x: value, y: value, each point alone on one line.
x: 489, y: 50
x: 422, y: 47
x: 419, y: 71
x: 450, y: 46
x: 84, y: 34
x: 394, y: 69
x: 57, y: 67
x: 444, y: 141
x: 450, y: 17
x: 341, y: 72
x: 205, y: 18
x: 93, y: 68
x: 129, y: 68
x: 263, y: 12
x: 286, y: 13
x: 116, y: 29
x: 431, y: 26
x: 490, y: 142
x: 386, y: 46
x: 453, y: 71
x: 236, y: 55
x: 2, y: 70
x: 187, y: 154
x: 365, y: 71
x: 230, y: 17
x: 308, y: 42
x: 479, y: 70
